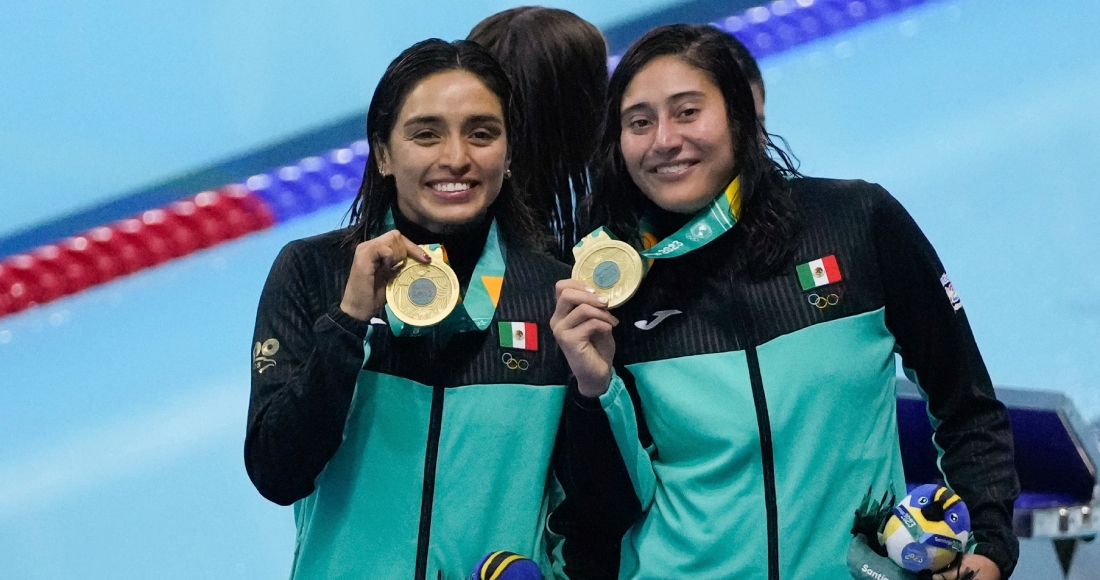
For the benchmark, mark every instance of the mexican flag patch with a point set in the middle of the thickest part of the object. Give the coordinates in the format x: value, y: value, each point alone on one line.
x: 521, y: 335
x: 818, y: 272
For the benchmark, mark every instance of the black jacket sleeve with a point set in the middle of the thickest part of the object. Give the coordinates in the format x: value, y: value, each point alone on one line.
x: 306, y: 357
x: 600, y: 501
x: 936, y: 344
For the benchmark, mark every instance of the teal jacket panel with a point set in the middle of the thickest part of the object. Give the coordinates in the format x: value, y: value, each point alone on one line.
x: 487, y: 501
x: 698, y: 526
x: 483, y: 501
x: 356, y: 520
x: 708, y: 512
x: 831, y: 394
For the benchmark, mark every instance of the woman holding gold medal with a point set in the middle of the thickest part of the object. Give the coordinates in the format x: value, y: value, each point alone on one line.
x: 733, y: 409
x: 408, y: 405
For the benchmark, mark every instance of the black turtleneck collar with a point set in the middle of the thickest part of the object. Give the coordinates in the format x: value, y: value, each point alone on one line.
x: 463, y: 247
x: 664, y: 222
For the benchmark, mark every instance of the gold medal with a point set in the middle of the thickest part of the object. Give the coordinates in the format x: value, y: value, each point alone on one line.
x: 609, y: 266
x: 423, y: 294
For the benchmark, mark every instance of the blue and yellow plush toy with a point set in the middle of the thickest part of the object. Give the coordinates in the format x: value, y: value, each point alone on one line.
x: 927, y: 530
x: 922, y: 535
x: 505, y: 566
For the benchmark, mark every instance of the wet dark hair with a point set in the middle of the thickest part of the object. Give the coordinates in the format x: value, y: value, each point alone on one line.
x: 378, y: 194
x: 557, y: 63
x: 768, y: 221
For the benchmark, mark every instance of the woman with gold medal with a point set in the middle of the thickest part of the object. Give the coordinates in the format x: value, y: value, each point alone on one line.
x: 732, y: 411
x: 410, y: 396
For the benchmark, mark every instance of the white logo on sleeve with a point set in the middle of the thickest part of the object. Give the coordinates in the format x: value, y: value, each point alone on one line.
x: 956, y: 302
x: 661, y: 316
x: 263, y: 353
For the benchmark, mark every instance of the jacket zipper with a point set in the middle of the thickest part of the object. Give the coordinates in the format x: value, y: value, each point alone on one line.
x: 431, y: 455
x: 767, y: 456
x: 430, y: 458
x: 743, y: 323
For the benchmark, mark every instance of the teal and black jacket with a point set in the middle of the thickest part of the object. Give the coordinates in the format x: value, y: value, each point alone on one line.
x: 404, y: 457
x: 747, y: 418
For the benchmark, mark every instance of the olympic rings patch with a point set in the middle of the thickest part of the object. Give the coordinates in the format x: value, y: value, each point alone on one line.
x: 822, y: 301
x: 513, y: 363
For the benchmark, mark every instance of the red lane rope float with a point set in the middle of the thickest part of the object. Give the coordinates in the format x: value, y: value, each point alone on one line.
x: 130, y: 245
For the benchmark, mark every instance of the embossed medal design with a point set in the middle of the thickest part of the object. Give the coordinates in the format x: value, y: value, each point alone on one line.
x: 611, y: 267
x: 423, y: 294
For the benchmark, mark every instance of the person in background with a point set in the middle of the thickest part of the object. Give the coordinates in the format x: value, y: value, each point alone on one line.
x: 415, y: 450
x: 751, y: 70
x: 747, y: 401
x: 557, y: 62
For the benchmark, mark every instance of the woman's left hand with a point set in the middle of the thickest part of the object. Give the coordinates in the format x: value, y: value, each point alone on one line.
x: 985, y: 568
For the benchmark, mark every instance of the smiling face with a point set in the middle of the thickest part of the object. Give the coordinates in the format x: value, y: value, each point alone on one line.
x: 448, y: 151
x: 675, y: 136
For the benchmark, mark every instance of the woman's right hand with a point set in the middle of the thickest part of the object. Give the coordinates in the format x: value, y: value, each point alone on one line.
x: 582, y: 326
x: 376, y: 262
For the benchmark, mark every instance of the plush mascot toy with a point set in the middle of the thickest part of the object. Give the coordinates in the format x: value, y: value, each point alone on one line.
x: 923, y: 534
x: 506, y: 566
x: 927, y: 530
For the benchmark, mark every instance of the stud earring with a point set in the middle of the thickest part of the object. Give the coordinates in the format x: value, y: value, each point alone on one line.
x: 507, y: 174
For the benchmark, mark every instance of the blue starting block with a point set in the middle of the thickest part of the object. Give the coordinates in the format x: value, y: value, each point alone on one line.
x: 1057, y: 455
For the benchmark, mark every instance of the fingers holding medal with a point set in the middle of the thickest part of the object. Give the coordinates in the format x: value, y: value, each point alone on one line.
x: 372, y: 268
